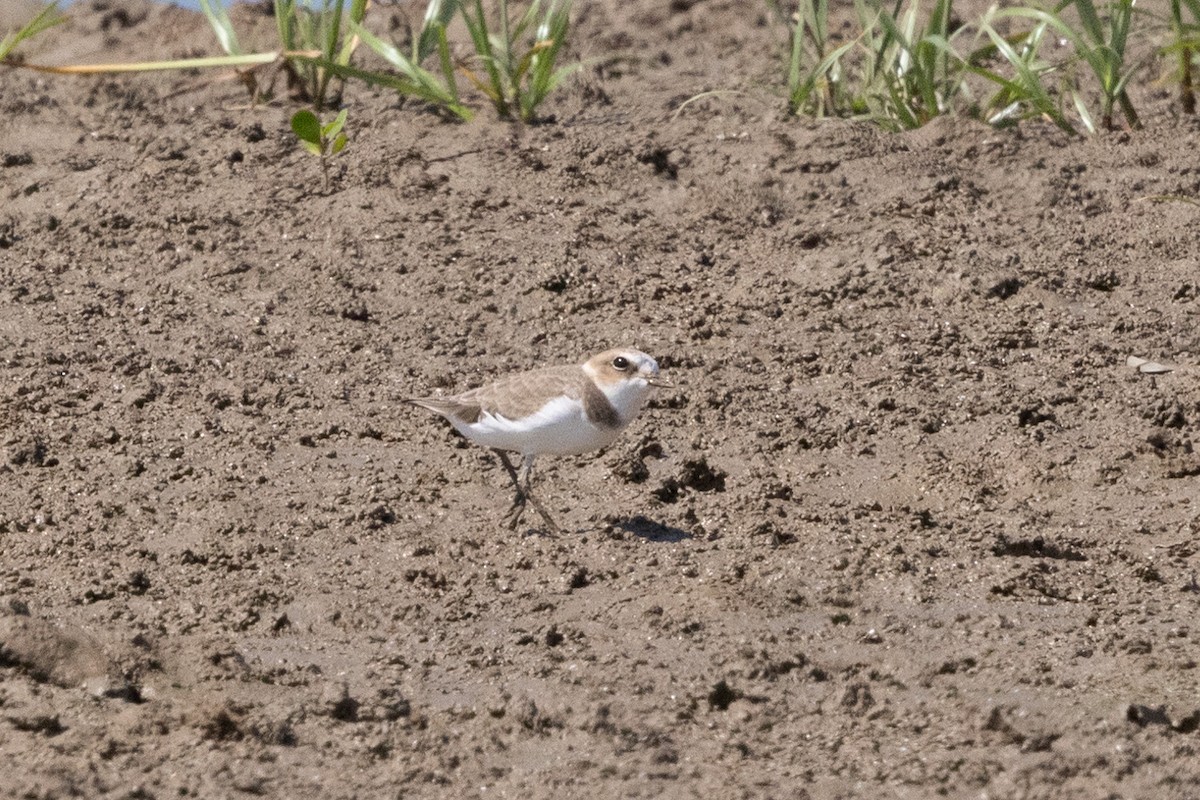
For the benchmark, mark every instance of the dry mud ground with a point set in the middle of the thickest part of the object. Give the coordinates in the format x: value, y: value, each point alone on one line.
x: 908, y: 527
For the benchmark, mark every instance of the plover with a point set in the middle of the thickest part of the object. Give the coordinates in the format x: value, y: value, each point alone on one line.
x: 552, y: 411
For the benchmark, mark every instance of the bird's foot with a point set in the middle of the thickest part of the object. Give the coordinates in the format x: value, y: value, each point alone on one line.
x: 517, y: 511
x: 551, y: 525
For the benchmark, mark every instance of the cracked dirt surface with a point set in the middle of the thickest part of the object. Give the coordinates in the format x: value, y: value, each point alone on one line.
x: 908, y: 525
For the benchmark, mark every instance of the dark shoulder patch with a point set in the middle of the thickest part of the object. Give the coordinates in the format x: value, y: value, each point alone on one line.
x: 598, y: 408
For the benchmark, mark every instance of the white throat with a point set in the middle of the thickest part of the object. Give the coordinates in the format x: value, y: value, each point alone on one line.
x: 627, y: 397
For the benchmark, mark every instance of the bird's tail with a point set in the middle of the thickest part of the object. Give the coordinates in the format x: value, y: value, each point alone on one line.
x: 449, y: 408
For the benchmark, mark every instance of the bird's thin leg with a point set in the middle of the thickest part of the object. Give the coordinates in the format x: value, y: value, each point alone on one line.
x: 517, y: 509
x: 526, y: 474
x: 522, y: 481
x: 509, y: 468
x: 527, y: 471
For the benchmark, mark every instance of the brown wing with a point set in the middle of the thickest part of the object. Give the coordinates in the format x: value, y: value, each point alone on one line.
x: 521, y: 395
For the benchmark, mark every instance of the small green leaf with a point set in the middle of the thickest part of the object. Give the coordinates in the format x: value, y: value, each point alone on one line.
x: 333, y: 128
x: 312, y: 147
x: 308, y: 128
x: 339, y: 144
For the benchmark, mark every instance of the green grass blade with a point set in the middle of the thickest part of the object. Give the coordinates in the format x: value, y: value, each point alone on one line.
x: 423, y: 86
x: 1127, y: 109
x: 244, y: 60
x: 330, y: 23
x: 447, y: 65
x: 527, y: 19
x: 1081, y: 109
x: 391, y: 54
x: 793, y: 78
x: 218, y: 20
x: 285, y: 19
x: 799, y: 98
x: 814, y: 73
x: 543, y: 77
x: 1090, y: 19
x: 482, y: 38
x: 358, y: 12
x: 48, y: 17
x: 417, y: 82
x: 494, y: 86
x: 437, y: 18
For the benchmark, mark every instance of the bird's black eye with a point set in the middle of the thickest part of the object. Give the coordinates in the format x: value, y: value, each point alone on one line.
x: 621, y: 363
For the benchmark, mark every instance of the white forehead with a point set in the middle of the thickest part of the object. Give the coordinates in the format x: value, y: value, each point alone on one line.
x: 639, y: 358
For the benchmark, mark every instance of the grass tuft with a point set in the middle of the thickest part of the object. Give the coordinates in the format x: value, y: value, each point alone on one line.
x: 322, y: 28
x: 1183, y: 46
x: 438, y: 88
x: 904, y: 64
x: 518, y: 54
x: 900, y: 70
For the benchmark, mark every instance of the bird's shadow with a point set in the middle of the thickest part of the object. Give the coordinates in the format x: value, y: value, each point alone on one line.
x: 646, y: 528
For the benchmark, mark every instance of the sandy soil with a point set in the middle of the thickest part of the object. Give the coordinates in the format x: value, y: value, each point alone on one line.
x: 909, y: 525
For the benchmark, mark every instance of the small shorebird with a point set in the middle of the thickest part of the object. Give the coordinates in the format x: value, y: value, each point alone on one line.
x: 555, y: 411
